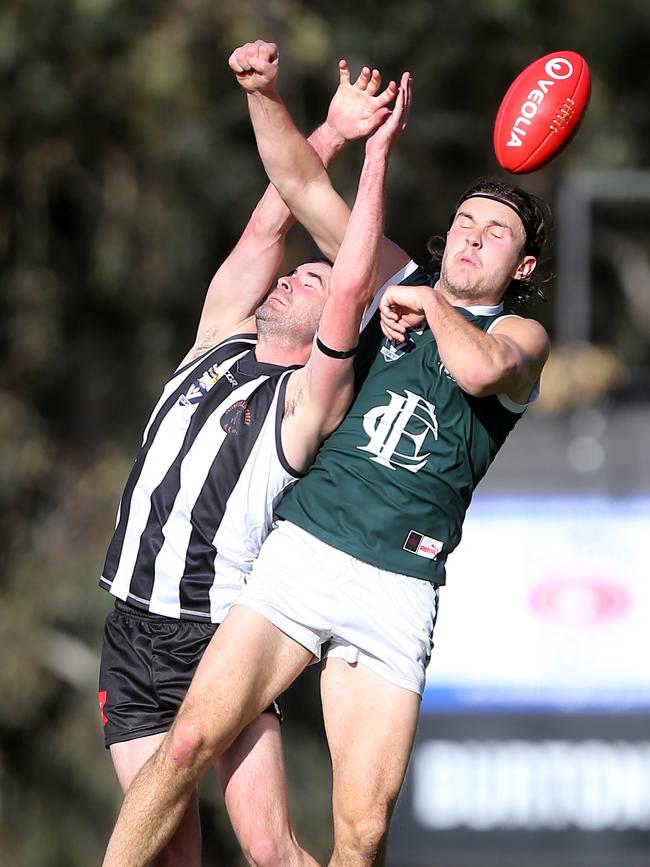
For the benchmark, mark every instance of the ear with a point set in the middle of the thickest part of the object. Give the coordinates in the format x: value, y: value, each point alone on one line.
x: 525, y: 268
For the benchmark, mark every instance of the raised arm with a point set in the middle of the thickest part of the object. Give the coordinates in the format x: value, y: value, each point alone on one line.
x: 244, y: 278
x: 508, y: 360
x: 320, y: 393
x: 291, y: 164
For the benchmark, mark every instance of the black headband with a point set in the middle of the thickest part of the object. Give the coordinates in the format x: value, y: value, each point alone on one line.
x: 517, y: 211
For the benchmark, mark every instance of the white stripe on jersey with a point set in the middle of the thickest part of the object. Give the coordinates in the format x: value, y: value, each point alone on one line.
x: 250, y: 508
x: 163, y: 451
x: 195, y: 467
x: 249, y: 511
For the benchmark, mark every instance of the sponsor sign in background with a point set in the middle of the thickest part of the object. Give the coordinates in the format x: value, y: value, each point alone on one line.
x: 547, y: 606
x: 534, y: 740
x: 559, y: 790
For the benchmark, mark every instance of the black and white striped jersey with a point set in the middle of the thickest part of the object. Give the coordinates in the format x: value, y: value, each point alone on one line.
x: 200, y: 498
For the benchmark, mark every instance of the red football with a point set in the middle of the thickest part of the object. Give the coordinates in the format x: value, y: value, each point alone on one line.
x: 541, y: 111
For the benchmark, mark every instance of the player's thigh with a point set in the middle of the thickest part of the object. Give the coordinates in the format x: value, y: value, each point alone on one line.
x: 129, y: 756
x: 246, y: 665
x: 370, y: 725
x: 252, y: 776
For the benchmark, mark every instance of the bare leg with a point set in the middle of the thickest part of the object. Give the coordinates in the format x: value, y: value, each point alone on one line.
x: 253, y: 779
x: 247, y: 664
x: 185, y: 846
x: 370, y: 725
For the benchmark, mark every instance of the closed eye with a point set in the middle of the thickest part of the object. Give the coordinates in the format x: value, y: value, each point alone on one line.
x: 310, y: 276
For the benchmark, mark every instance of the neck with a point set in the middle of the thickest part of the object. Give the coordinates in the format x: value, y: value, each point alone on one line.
x: 273, y: 351
x: 486, y: 299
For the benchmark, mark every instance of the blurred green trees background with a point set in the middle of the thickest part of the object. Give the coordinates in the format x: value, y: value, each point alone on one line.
x: 127, y: 171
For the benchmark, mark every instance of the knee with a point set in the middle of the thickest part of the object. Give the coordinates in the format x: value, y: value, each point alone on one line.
x: 265, y: 849
x: 361, y: 838
x: 191, y: 746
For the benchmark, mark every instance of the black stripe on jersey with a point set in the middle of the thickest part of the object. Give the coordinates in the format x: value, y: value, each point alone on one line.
x: 252, y: 338
x: 164, y: 496
x: 282, y: 391
x: 217, y: 355
x: 211, y: 503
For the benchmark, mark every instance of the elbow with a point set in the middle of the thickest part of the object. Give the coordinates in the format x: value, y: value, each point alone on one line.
x: 481, y: 380
x: 474, y: 387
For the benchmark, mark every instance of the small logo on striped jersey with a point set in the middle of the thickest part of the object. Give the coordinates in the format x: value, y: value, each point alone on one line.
x: 200, y: 386
x: 236, y: 417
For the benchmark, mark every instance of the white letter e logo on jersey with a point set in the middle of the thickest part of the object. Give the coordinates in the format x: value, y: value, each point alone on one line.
x: 386, y: 428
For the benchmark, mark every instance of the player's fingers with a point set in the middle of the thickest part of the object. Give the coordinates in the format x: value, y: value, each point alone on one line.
x: 378, y: 118
x: 387, y: 309
x: 363, y: 79
x: 398, y: 108
x: 408, y: 99
x: 237, y: 58
x: 403, y: 100
x: 374, y: 83
x: 387, y: 95
x: 409, y: 88
x: 242, y: 57
x: 267, y: 50
x: 233, y: 64
x: 344, y: 72
x: 261, y: 66
x: 391, y: 331
x: 371, y: 124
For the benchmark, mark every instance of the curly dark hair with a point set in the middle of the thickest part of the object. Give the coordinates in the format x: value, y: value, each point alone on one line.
x: 534, y: 215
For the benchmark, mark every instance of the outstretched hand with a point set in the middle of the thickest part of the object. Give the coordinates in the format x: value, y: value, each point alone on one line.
x: 256, y: 66
x: 357, y: 109
x: 394, y: 123
x: 402, y: 308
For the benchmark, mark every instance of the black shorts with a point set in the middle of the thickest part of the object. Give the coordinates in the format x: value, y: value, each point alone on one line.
x: 147, y: 663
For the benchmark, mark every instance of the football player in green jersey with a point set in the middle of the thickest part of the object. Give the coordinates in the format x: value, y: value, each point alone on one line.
x: 361, y: 551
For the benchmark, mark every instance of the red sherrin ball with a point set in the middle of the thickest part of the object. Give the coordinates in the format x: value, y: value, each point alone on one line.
x: 541, y: 111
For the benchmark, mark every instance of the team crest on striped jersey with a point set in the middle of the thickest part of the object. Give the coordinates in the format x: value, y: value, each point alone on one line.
x: 200, y: 386
x: 236, y: 417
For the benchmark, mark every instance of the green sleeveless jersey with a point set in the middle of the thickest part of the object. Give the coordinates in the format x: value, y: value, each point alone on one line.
x: 391, y: 485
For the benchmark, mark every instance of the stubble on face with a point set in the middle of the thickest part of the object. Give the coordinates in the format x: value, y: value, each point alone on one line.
x: 283, y: 320
x: 292, y: 310
x: 462, y: 283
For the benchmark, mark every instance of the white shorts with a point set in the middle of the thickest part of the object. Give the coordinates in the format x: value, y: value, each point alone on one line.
x: 317, y: 595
